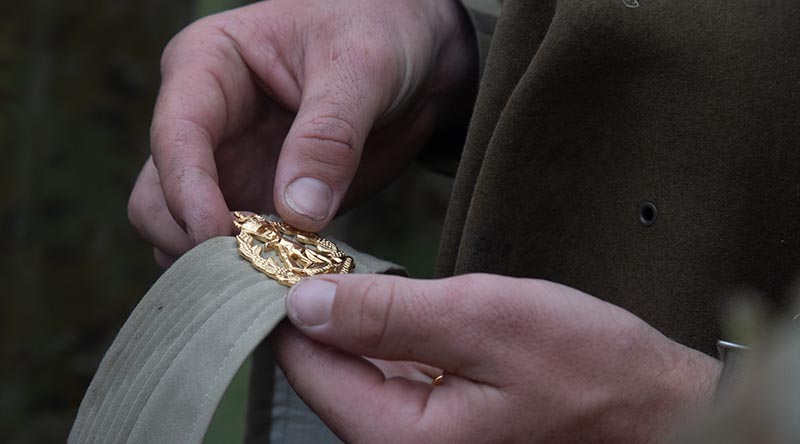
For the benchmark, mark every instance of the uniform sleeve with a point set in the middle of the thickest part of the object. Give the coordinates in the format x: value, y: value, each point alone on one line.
x: 443, y: 150
x: 483, y: 14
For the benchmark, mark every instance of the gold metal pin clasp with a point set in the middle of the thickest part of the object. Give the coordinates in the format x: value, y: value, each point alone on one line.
x: 285, y: 253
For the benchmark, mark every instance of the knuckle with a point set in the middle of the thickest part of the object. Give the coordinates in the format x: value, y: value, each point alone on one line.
x: 458, y: 288
x: 330, y: 144
x: 178, y: 134
x: 373, y: 63
x: 348, y: 53
x: 202, y: 225
x: 333, y: 131
x: 206, y: 36
x: 182, y: 178
x: 480, y: 301
x: 359, y: 53
x: 375, y: 310
x: 477, y: 284
x: 166, y: 136
x: 238, y: 27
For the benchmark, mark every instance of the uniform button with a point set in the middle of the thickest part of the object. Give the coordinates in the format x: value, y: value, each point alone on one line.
x: 647, y: 213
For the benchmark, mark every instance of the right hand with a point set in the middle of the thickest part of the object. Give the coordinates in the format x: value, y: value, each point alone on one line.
x: 269, y: 107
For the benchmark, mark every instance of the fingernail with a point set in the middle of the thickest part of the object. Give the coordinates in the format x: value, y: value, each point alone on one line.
x: 309, y: 197
x: 311, y: 301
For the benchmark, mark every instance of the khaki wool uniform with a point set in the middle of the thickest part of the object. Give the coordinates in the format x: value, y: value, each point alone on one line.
x: 644, y: 152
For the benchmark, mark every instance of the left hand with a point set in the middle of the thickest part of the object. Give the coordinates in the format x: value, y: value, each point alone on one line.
x: 296, y: 107
x: 524, y: 361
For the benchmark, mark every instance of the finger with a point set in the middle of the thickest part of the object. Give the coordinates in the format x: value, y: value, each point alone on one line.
x: 438, y: 322
x: 162, y: 259
x: 148, y: 213
x: 406, y: 369
x: 341, y: 101
x: 361, y: 405
x: 204, y: 87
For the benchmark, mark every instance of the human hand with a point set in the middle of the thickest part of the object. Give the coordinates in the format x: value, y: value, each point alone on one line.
x: 270, y: 106
x: 524, y: 361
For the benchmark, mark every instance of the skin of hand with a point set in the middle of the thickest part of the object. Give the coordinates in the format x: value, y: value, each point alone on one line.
x: 295, y: 106
x: 524, y: 361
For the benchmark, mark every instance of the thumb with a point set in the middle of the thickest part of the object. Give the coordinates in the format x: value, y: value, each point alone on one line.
x: 322, y: 151
x: 435, y: 322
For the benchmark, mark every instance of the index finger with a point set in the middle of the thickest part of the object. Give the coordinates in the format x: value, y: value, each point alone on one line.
x: 190, y: 120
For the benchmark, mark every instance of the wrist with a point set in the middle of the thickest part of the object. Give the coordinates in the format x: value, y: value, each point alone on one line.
x: 655, y: 388
x: 685, y: 389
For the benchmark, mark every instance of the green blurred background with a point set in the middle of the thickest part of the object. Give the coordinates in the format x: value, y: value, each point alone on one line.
x: 77, y: 84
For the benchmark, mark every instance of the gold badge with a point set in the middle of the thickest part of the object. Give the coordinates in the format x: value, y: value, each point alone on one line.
x: 295, y: 254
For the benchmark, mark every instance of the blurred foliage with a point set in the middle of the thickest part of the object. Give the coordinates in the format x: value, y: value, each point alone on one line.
x: 228, y: 426
x: 77, y: 82
x: 77, y: 85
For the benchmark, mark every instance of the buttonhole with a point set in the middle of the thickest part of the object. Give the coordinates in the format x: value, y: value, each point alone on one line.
x: 647, y: 213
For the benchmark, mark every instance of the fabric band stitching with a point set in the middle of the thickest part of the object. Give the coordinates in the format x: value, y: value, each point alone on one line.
x: 224, y: 361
